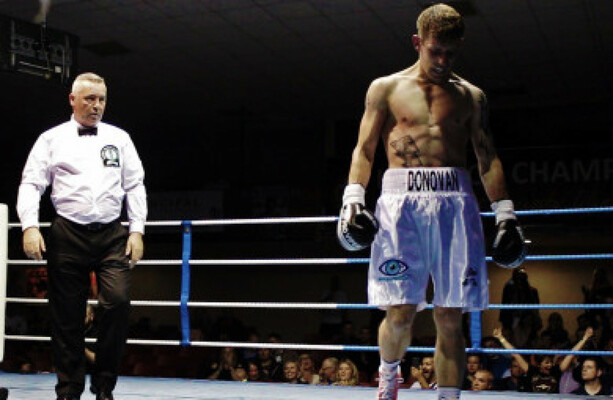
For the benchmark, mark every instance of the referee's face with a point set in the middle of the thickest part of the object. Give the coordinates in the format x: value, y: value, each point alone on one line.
x: 88, y: 102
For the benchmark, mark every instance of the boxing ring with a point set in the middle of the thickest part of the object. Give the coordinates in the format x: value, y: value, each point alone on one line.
x: 40, y: 386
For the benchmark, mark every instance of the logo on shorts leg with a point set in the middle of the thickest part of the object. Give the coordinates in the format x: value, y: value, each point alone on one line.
x: 393, y: 270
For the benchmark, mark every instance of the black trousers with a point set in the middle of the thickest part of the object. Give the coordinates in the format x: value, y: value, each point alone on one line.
x: 73, y: 251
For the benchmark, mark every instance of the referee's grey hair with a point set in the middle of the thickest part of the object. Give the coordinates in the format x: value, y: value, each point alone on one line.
x: 86, y: 77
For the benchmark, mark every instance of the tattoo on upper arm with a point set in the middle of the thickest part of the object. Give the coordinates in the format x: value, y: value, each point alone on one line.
x: 485, y: 111
x: 484, y: 143
x: 407, y: 148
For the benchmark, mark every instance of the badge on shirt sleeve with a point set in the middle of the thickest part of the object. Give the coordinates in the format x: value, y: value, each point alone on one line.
x: 110, y: 156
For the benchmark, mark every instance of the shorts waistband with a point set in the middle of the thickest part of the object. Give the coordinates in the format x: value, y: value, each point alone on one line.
x: 427, y: 180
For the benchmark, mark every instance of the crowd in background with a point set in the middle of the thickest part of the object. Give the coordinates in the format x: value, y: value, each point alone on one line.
x: 520, y: 328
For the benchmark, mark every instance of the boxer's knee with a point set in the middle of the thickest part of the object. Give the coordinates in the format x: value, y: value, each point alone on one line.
x: 400, y: 318
x: 448, y: 321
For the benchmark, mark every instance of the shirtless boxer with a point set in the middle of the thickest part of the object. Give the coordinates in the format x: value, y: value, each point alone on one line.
x: 427, y: 220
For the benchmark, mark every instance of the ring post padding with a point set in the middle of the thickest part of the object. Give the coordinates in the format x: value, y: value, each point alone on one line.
x: 475, y: 329
x: 4, y: 227
x: 185, y: 281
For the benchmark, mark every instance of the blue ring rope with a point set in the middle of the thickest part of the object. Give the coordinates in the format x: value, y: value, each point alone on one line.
x: 604, y: 306
x: 557, y: 211
x: 421, y: 349
x: 185, y: 282
x: 551, y: 211
x: 542, y: 257
x: 603, y: 256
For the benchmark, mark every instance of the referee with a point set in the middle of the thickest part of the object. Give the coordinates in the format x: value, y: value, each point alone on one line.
x: 91, y: 167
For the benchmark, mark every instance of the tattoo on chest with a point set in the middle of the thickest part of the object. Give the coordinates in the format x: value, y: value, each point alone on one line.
x: 407, y: 148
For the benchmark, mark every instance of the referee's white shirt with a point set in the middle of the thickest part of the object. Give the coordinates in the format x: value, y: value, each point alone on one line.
x: 86, y: 186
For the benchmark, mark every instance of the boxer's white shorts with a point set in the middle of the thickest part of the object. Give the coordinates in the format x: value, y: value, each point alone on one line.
x: 430, y: 226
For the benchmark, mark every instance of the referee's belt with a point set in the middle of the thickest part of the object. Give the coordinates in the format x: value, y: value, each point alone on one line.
x: 92, y: 226
x: 97, y: 226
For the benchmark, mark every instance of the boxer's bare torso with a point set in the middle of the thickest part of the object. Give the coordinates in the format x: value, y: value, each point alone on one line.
x: 427, y: 124
x: 426, y: 116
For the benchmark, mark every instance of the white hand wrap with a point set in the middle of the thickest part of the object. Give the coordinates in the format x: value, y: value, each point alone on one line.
x: 354, y: 193
x: 504, y: 210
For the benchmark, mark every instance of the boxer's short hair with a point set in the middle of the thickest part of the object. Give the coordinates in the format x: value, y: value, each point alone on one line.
x: 440, y: 21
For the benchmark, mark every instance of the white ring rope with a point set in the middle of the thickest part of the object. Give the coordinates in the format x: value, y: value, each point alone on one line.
x: 151, y: 342
x: 322, y: 347
x: 267, y: 261
x: 294, y: 346
x: 206, y: 304
x: 221, y: 222
x: 310, y: 306
x: 297, y: 220
x: 252, y: 305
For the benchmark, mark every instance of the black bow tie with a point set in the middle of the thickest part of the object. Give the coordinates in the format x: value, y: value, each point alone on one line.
x: 88, y: 130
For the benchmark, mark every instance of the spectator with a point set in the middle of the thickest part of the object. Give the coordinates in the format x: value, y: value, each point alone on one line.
x: 224, y: 368
x: 521, y: 325
x: 272, y: 370
x: 545, y: 341
x: 473, y: 364
x: 599, y: 289
x: 570, y: 378
x: 238, y: 373
x: 26, y: 366
x: 583, y: 322
x: 347, y: 374
x: 498, y: 364
x: 306, y: 369
x: 545, y: 377
x: 328, y: 371
x: 251, y: 353
x: 483, y: 380
x: 254, y: 372
x: 425, y: 375
x: 516, y: 382
x: 278, y: 354
x: 290, y: 372
x: 555, y: 329
x: 608, y: 360
x: 592, y: 370
x: 37, y: 282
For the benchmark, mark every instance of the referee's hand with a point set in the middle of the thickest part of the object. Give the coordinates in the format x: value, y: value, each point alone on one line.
x: 33, y: 243
x: 134, y: 248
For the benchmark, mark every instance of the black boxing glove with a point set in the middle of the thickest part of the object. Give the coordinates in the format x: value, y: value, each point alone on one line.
x: 509, y: 249
x: 357, y: 226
